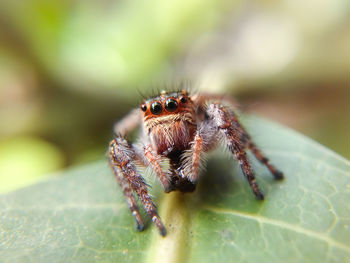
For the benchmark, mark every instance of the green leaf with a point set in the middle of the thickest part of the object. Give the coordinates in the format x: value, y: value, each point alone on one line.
x: 80, y: 215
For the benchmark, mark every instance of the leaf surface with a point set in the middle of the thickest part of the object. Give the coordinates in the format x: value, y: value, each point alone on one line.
x: 80, y: 215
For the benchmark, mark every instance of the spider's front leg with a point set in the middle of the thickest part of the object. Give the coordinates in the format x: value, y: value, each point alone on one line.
x: 226, y: 122
x: 191, y: 159
x: 204, y: 140
x: 121, y: 158
x: 153, y: 159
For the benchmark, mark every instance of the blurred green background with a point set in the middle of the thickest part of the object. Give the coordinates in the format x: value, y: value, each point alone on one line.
x: 70, y: 68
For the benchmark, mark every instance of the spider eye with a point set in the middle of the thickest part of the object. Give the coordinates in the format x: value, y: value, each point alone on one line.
x: 183, y: 100
x: 144, y: 107
x: 156, y: 108
x: 171, y: 105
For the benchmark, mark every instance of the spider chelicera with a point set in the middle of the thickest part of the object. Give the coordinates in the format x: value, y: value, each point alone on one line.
x: 178, y: 127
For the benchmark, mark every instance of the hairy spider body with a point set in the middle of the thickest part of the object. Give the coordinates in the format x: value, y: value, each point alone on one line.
x: 177, y: 127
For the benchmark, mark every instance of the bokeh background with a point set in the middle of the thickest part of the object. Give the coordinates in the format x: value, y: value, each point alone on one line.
x: 70, y: 68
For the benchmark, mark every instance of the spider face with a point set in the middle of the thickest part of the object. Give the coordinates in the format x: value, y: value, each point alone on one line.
x: 180, y: 128
x: 169, y: 121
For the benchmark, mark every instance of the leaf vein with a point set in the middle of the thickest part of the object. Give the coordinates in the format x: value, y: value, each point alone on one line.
x: 281, y: 224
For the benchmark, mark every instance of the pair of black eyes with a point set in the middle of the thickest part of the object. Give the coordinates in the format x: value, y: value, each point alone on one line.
x: 170, y: 105
x: 156, y: 107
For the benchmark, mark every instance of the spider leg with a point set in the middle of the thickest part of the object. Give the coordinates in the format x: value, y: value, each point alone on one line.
x: 152, y: 159
x: 192, y: 158
x: 128, y: 123
x: 130, y: 199
x: 122, y: 156
x: 247, y: 141
x: 226, y: 122
x: 204, y: 140
x: 278, y: 175
x: 201, y: 98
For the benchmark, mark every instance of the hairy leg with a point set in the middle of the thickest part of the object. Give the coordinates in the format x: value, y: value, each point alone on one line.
x: 278, y: 175
x: 153, y: 159
x: 245, y: 138
x: 191, y: 159
x: 248, y: 143
x: 122, y: 156
x: 226, y: 121
x: 205, y: 139
x: 128, y: 123
x: 130, y: 199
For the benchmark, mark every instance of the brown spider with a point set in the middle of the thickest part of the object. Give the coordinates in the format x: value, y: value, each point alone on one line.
x: 177, y: 127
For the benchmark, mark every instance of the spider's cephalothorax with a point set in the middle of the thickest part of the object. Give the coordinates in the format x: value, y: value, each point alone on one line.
x: 170, y: 122
x: 177, y: 127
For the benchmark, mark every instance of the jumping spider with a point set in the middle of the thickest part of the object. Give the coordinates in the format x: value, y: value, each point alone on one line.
x: 178, y: 127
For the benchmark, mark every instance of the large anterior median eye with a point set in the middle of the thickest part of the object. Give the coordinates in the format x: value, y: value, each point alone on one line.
x: 171, y: 105
x: 156, y: 108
